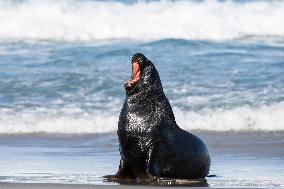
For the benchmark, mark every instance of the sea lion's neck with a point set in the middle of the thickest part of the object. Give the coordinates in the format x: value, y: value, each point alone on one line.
x: 147, y: 95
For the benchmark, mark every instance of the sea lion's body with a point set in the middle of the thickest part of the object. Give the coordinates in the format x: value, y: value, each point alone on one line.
x: 151, y: 143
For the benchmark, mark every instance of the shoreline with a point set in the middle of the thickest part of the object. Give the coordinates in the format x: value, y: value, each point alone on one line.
x: 88, y: 186
x: 239, y: 159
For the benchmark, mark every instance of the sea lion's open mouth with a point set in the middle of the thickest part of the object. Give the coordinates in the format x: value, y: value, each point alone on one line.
x: 135, y: 74
x: 135, y: 71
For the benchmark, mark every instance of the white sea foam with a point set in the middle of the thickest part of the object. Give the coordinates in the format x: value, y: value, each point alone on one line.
x: 52, y: 121
x: 95, y: 20
x: 267, y: 118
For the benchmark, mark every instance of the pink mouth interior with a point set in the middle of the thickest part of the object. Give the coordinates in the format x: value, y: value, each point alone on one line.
x: 135, y: 72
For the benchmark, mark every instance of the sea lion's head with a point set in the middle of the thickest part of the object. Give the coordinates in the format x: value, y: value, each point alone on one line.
x: 144, y: 75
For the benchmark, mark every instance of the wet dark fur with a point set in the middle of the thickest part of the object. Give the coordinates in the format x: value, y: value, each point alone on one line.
x: 151, y: 143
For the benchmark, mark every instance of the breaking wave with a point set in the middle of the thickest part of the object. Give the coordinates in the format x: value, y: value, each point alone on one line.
x: 71, y: 20
x: 265, y: 118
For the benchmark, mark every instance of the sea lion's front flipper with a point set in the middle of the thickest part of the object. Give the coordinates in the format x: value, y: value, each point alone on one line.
x: 124, y: 172
x: 155, y: 161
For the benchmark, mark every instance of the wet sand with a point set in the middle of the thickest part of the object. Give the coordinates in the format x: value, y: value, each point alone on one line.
x: 77, y: 186
x: 239, y: 159
x: 260, y: 144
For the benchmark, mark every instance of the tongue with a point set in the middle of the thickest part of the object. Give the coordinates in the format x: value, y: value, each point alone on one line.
x: 135, y: 72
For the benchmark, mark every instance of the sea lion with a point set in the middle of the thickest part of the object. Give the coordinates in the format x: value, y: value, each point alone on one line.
x: 152, y: 145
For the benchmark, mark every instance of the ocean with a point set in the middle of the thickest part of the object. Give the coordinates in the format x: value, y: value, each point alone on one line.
x: 63, y: 65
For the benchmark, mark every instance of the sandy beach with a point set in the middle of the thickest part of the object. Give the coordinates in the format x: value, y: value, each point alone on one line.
x: 78, y: 186
x: 240, y: 159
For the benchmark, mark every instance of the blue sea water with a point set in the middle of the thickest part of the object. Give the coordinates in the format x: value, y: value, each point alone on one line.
x: 63, y: 65
x: 72, y: 87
